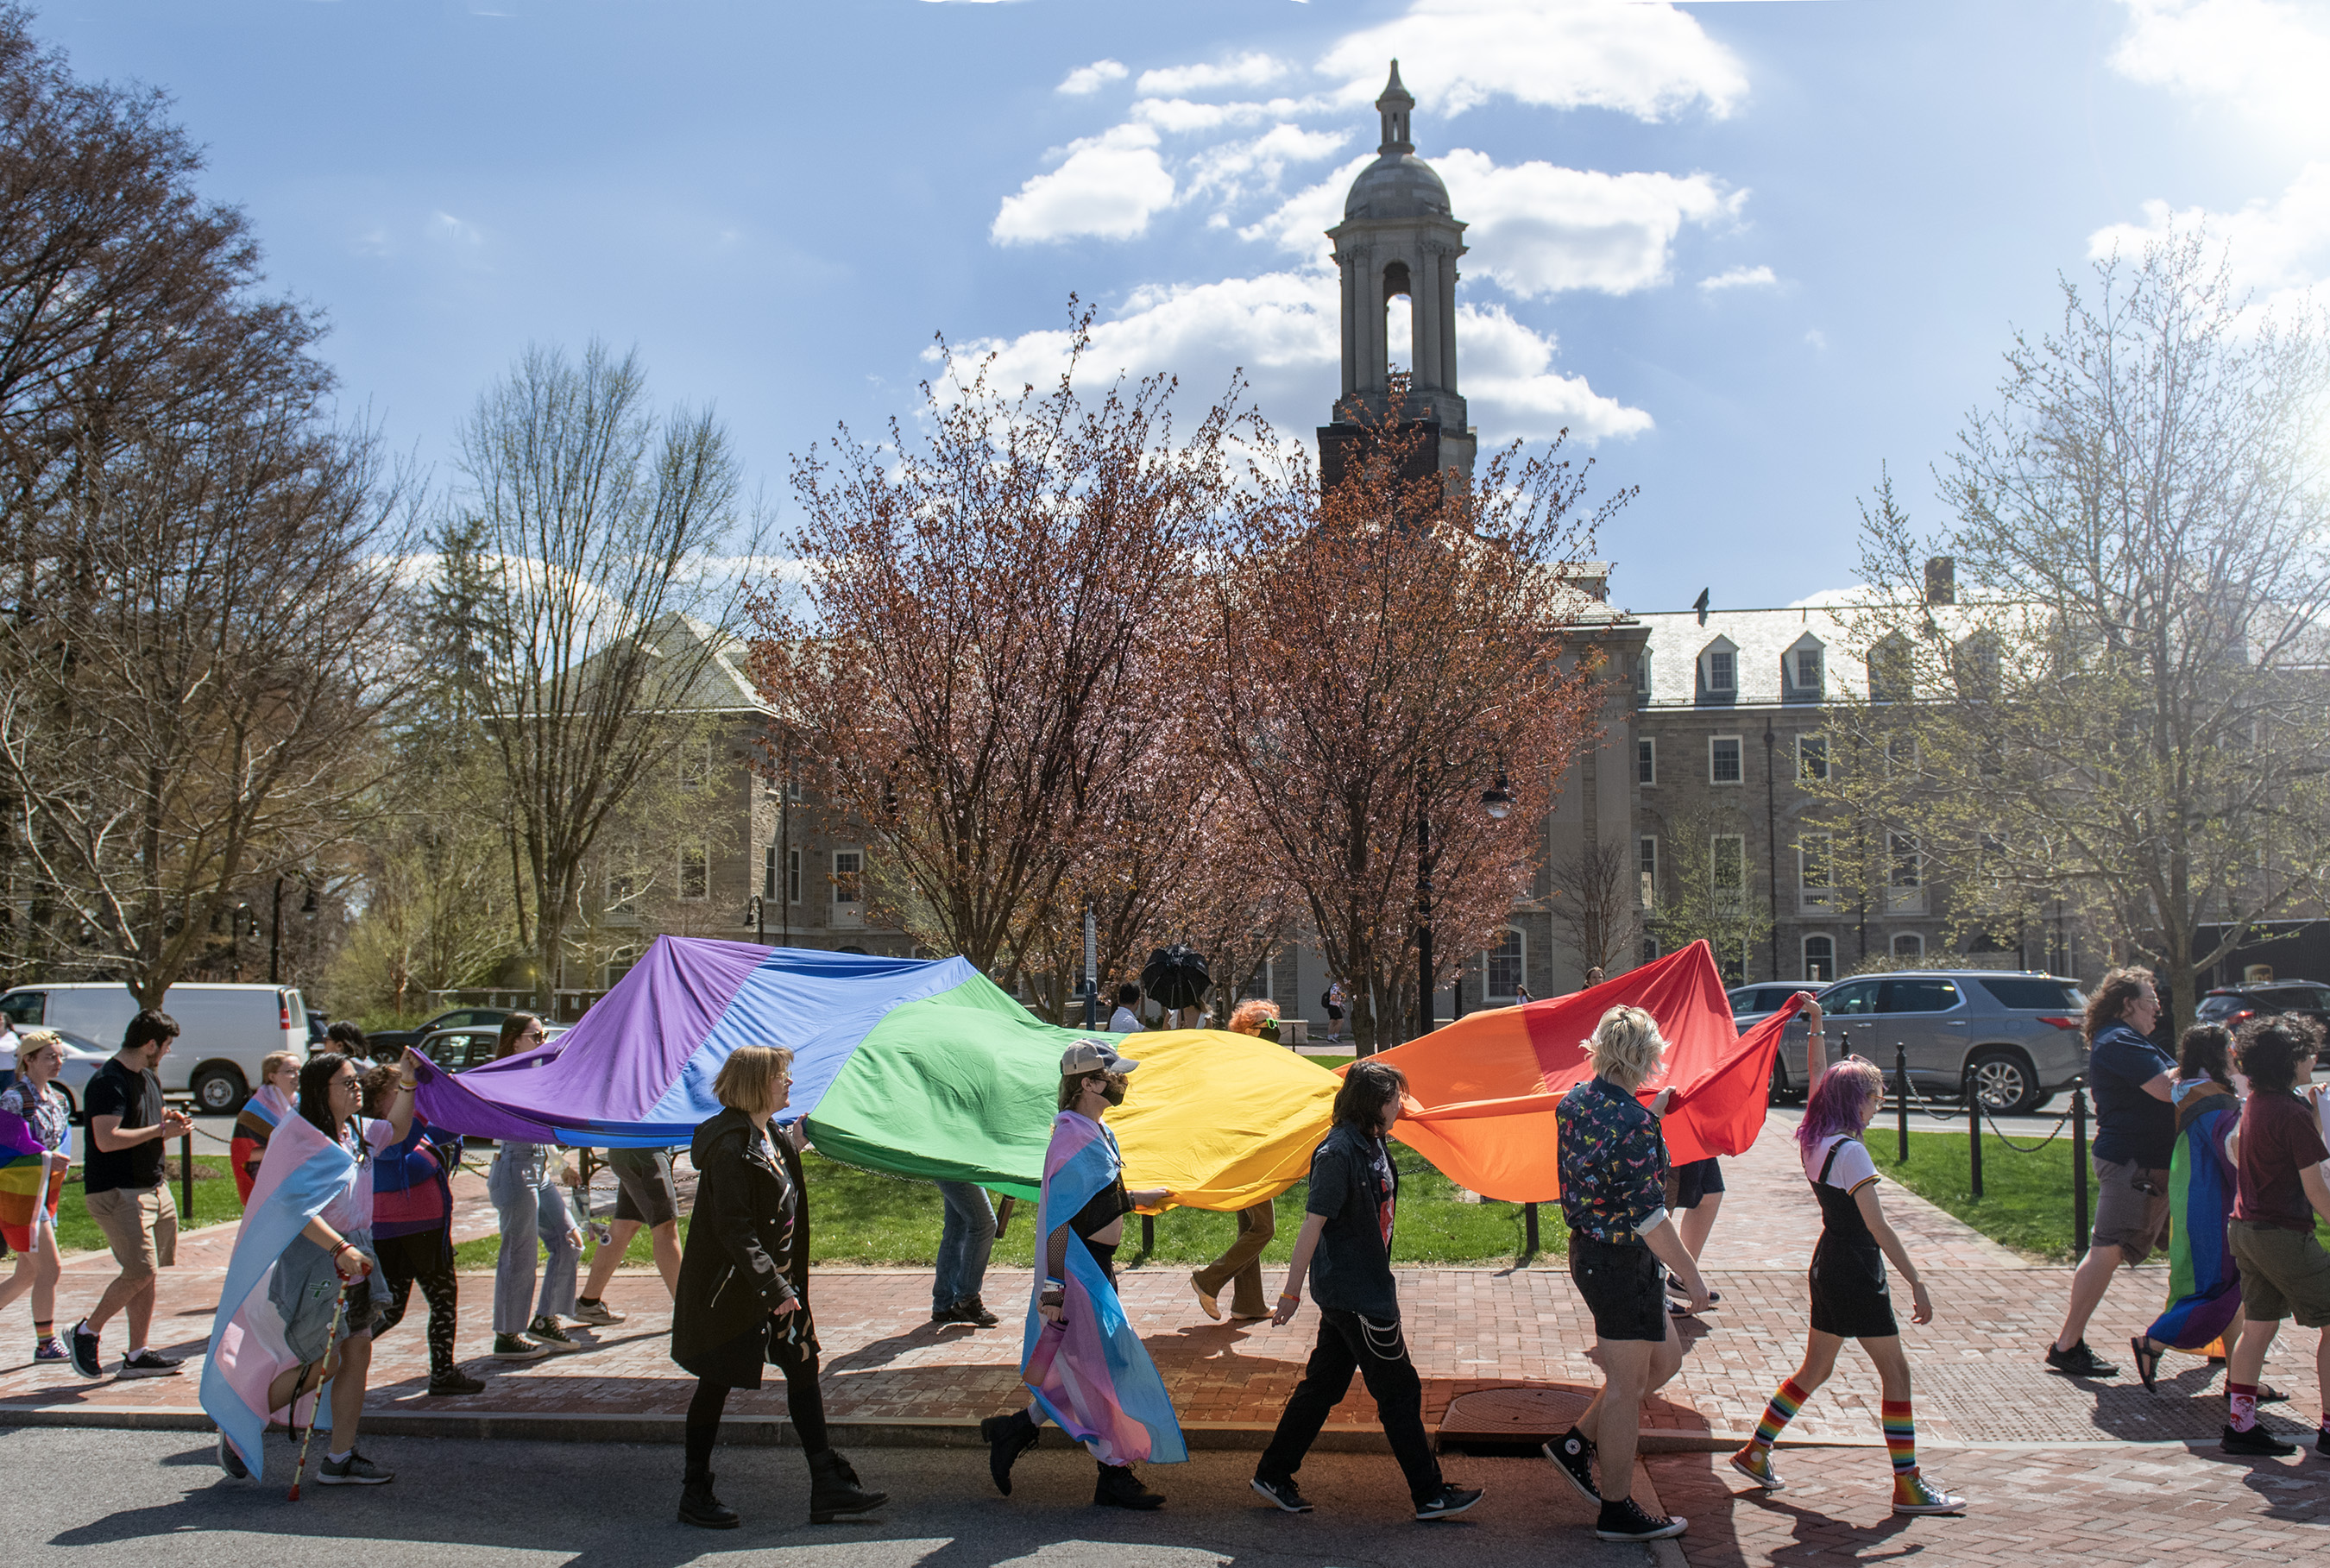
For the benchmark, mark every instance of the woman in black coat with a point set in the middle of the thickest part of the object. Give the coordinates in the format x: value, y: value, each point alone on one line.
x: 743, y: 1287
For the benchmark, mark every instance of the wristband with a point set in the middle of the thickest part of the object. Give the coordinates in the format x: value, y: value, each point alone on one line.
x: 1290, y: 1296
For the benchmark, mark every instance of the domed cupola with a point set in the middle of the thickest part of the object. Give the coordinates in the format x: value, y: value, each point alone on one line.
x: 1399, y: 237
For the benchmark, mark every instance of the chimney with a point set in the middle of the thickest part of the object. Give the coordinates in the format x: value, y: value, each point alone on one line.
x: 1942, y: 580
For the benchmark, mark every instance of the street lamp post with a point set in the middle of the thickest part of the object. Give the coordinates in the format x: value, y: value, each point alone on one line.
x: 756, y: 912
x: 1497, y: 800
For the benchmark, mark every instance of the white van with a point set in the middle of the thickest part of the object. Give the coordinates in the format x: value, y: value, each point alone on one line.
x: 224, y: 1031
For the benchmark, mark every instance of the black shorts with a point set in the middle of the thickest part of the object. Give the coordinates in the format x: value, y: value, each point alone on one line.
x: 644, y: 1190
x: 1696, y: 1180
x: 1624, y: 1288
x: 1851, y: 1297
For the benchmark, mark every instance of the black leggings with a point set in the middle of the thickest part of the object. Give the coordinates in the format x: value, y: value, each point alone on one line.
x: 426, y: 1260
x: 804, y: 1402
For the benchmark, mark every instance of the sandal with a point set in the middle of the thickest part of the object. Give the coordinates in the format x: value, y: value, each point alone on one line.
x: 2147, y: 1361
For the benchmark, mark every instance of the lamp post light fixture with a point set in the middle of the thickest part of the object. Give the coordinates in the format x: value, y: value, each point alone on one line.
x: 1498, y: 801
x: 756, y: 912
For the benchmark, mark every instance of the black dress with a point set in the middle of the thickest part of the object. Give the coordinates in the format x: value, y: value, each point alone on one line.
x: 1850, y: 1298
x: 747, y: 1253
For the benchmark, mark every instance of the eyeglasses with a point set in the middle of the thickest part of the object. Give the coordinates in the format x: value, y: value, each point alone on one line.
x: 536, y: 1032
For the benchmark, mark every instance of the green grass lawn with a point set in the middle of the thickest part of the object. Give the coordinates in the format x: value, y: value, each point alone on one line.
x: 214, y: 1200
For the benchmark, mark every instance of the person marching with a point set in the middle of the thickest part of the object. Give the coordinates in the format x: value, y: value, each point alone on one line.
x: 2279, y: 1195
x: 36, y: 1130
x: 530, y: 1206
x: 1084, y: 1367
x: 1614, y: 1172
x: 412, y: 1229
x: 1241, y: 1265
x: 743, y: 1300
x: 2204, y: 1283
x: 1850, y: 1297
x: 269, y: 1103
x: 1344, y: 1248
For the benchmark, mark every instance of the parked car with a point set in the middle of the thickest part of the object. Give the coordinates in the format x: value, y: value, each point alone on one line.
x: 388, y: 1044
x: 225, y: 1031
x: 2020, y: 1031
x: 459, y: 1050
x: 2234, y: 1004
x: 1750, y: 1006
x: 318, y: 1026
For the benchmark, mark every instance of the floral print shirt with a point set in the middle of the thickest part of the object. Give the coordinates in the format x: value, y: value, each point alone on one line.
x: 45, y: 1116
x: 1614, y: 1162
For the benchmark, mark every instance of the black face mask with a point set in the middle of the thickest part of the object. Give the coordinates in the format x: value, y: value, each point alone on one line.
x: 1114, y: 1092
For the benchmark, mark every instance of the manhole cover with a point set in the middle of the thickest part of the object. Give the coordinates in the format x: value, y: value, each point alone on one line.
x: 1511, y: 1415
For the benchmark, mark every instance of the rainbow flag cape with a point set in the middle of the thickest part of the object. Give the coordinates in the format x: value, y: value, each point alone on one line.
x: 28, y: 1175
x: 1091, y: 1375
x: 923, y: 1068
x: 2205, y: 1286
x: 303, y: 1171
x: 1482, y: 1090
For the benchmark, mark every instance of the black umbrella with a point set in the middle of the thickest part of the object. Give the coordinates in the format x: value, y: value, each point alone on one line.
x: 1175, y: 976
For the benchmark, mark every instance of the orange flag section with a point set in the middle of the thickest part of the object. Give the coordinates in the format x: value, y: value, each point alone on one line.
x: 1482, y: 1090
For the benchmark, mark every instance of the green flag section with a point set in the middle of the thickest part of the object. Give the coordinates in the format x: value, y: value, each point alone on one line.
x: 964, y: 1085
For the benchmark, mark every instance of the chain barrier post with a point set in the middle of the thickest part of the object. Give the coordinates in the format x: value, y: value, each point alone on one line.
x: 186, y: 1176
x: 1901, y: 1097
x: 1974, y: 1130
x: 2079, y: 1167
x: 1148, y: 1234
x: 1528, y: 1230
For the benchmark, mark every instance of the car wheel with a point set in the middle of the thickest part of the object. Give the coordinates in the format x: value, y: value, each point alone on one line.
x: 2004, y: 1081
x: 219, y: 1091
x: 1779, y: 1089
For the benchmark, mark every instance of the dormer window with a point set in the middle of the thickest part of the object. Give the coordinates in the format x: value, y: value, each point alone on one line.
x: 1808, y: 668
x: 1722, y: 671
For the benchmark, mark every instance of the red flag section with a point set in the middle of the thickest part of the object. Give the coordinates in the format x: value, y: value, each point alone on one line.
x: 1483, y: 1090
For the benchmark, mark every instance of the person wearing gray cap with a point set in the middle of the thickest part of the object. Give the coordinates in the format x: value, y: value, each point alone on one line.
x: 1081, y: 1359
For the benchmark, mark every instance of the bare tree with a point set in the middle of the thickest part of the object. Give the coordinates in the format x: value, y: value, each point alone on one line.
x: 2114, y: 696
x: 1596, y: 905
x: 598, y: 525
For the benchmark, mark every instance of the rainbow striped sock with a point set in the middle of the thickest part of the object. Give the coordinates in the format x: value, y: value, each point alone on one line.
x: 1783, y: 1409
x: 1901, y: 1438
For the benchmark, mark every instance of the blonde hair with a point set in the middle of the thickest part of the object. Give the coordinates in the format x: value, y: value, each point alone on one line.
x: 33, y: 1040
x: 275, y: 1061
x: 1626, y: 1046
x: 1247, y: 1019
x: 748, y: 1075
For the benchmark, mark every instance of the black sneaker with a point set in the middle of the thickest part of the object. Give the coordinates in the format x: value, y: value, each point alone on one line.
x: 518, y: 1348
x: 2079, y: 1362
x: 356, y: 1471
x: 2322, y: 1443
x: 1448, y: 1501
x: 970, y: 1310
x: 1675, y: 1287
x: 454, y: 1383
x: 2256, y: 1440
x: 1624, y: 1520
x: 147, y: 1363
x: 1284, y: 1494
x: 230, y: 1461
x: 1573, y: 1456
x: 84, y: 1352
x: 553, y: 1339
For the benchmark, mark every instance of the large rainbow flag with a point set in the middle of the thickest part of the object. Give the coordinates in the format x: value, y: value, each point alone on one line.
x: 923, y: 1068
x: 25, y: 1188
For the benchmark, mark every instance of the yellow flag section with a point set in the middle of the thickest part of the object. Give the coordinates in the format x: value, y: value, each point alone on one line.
x: 1222, y: 1122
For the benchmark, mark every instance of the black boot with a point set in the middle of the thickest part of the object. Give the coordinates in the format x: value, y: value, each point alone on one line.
x: 1008, y: 1436
x: 698, y: 1506
x: 1119, y: 1488
x: 833, y: 1488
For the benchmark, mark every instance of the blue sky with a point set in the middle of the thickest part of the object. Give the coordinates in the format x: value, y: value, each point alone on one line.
x: 1746, y: 251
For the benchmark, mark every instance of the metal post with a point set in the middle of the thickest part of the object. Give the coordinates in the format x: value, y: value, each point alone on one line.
x: 1148, y: 1234
x: 1423, y: 914
x: 1973, y: 1131
x: 1003, y: 1216
x: 2078, y: 1167
x: 275, y: 939
x: 1092, y: 973
x: 186, y: 1178
x: 1901, y: 1099
x: 1528, y: 1230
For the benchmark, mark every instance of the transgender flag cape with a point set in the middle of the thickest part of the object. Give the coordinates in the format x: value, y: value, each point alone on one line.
x: 2205, y: 1287
x: 303, y: 1171
x: 1091, y: 1375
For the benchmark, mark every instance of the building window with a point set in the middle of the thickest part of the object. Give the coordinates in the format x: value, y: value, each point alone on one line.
x: 1812, y: 758
x: 1504, y: 964
x: 1727, y: 870
x: 849, y: 885
x: 696, y: 767
x: 1808, y: 670
x: 1816, y: 873
x: 1909, y: 947
x: 1642, y: 674
x: 1646, y: 760
x: 1723, y: 760
x: 1901, y: 755
x: 695, y: 874
x: 1646, y: 851
x: 622, y: 890
x: 1906, y: 867
x: 1257, y: 987
x: 792, y: 875
x: 1820, y: 959
x: 768, y: 874
x: 1722, y: 671
x: 1650, y: 949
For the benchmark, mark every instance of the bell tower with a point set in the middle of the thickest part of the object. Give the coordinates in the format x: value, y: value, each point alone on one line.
x: 1398, y: 237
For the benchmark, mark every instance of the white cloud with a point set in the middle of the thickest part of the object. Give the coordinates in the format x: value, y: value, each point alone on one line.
x: 2273, y: 246
x: 1250, y: 70
x: 1535, y: 228
x: 1818, y: 339
x: 1086, y: 79
x: 1285, y: 329
x: 1739, y: 277
x: 1650, y: 61
x: 1229, y: 170
x: 1108, y: 185
x: 2266, y: 58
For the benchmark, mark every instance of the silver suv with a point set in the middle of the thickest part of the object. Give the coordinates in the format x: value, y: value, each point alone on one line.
x: 2019, y: 1031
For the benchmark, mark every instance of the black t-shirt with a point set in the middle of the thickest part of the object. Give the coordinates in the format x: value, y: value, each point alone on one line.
x: 137, y: 1098
x: 2131, y: 1126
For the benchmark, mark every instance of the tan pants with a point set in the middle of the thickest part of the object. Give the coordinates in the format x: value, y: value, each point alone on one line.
x: 1243, y: 1263
x: 141, y: 1227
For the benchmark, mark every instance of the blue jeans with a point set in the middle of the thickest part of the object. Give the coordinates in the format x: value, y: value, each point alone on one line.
x: 524, y: 1187
x: 965, y: 1240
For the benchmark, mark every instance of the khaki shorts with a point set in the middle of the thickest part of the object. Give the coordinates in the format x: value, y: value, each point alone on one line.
x: 2285, y: 1273
x: 2126, y: 1216
x: 142, y: 1227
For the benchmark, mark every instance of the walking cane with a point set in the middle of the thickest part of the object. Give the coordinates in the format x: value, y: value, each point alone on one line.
x: 331, y: 1342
